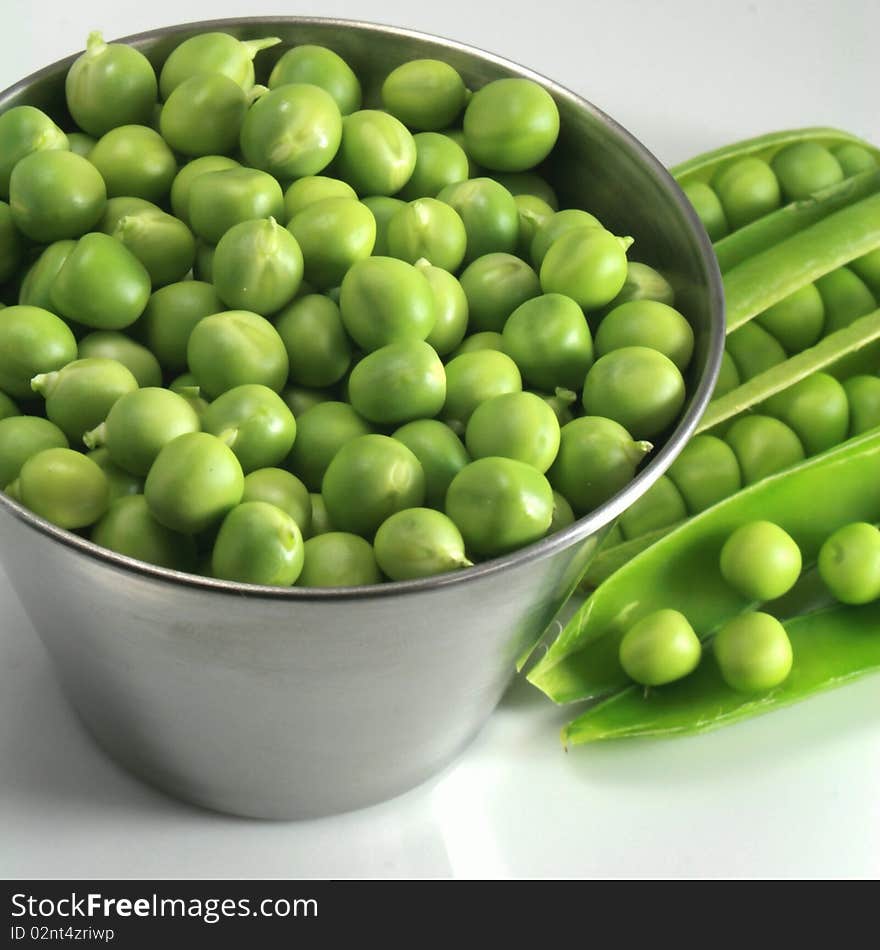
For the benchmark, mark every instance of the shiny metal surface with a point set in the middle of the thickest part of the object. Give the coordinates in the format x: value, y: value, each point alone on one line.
x: 296, y: 703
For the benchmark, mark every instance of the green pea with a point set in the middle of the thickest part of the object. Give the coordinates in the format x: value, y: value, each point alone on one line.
x: 8, y: 408
x: 854, y: 159
x: 561, y: 402
x: 203, y: 269
x: 457, y: 136
x: 292, y: 131
x: 32, y: 341
x: 220, y: 199
x: 440, y: 161
x: 55, y: 195
x: 748, y: 189
x: 661, y: 648
x: 519, y: 425
x: 135, y: 161
x: 258, y: 544
x: 212, y: 53
x: 754, y: 350
x: 549, y: 340
x: 708, y: 208
x: 317, y: 346
x: 797, y: 321
x: 427, y: 229
x: 863, y: 395
x: 283, y: 490
x: 322, y: 431
x: 23, y: 131
x: 425, y: 94
x: 128, y: 528
x: 101, y: 284
x: 369, y: 479
x: 440, y: 453
x: 487, y: 340
x: 80, y: 143
x: 867, y: 268
x: 495, y: 285
x: 499, y: 505
x: 204, y: 115
x: 377, y: 155
x: 511, y: 125
x: 804, y: 168
x: 171, y: 314
x: 338, y: 559
x: 321, y: 523
x: 529, y: 185
x: 475, y: 377
x: 816, y: 408
x: 753, y: 652
x: 571, y: 219
x: 398, y: 383
x: 760, y: 561
x: 22, y: 437
x: 119, y: 482
x: 419, y: 542
x: 586, y: 264
x: 643, y: 283
x: 763, y: 446
x: 234, y: 348
x: 597, y: 458
x: 36, y: 287
x: 661, y: 506
x: 334, y: 233
x: 109, y: 85
x: 647, y: 323
x: 450, y: 308
x: 321, y: 67
x: 300, y: 399
x: 183, y: 180
x: 489, y: 213
x: 383, y: 210
x: 728, y: 376
x: 849, y: 563
x: 563, y: 515
x: 534, y: 213
x: 193, y: 483
x: 705, y: 472
x: 63, y: 487
x: 10, y: 244
x: 311, y: 189
x: 846, y: 298
x: 384, y: 300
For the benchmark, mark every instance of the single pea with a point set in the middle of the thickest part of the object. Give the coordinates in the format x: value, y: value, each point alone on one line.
x: 597, y: 458
x: 171, y: 314
x: 258, y: 544
x: 63, y: 487
x: 321, y: 432
x: 320, y: 67
x: 384, y: 300
x: 816, y: 408
x: 534, y: 213
x: 369, y: 479
x: 754, y: 350
x: 475, y: 377
x: 863, y: 395
x: 495, y: 285
x: 425, y: 94
x: 427, y: 229
x: 312, y: 188
x: 193, y: 483
x: 8, y: 408
x: 55, y: 195
x: 499, y: 505
x: 109, y: 85
x: 128, y: 528
x: 80, y: 394
x: 440, y: 161
x: 321, y: 523
x: 32, y: 341
x: 804, y: 168
x: 419, y: 542
x: 10, y: 244
x: 643, y: 283
x: 204, y: 115
x: 647, y: 323
x: 135, y: 161
x: 728, y: 376
x: 120, y: 483
x: 854, y: 159
x: 457, y: 136
x: 763, y: 446
x: 487, y: 340
x: 849, y: 563
x: 23, y: 131
x: 563, y: 514
x: 661, y: 506
x: 708, y: 208
x: 183, y: 180
x: 846, y: 298
x: 383, y: 210
x: 748, y: 189
x: 220, y: 199
x: 22, y: 437
x: 283, y: 490
x: 35, y: 290
x: 101, y: 284
x: 705, y: 472
x: 661, y: 648
x: 398, y: 383
x: 300, y: 399
x: 519, y: 425
x: 213, y: 53
x: 586, y: 264
x: 753, y: 652
x: 549, y: 340
x: 760, y: 561
x: 571, y: 219
x: 450, y: 308
x: 334, y: 233
x: 797, y: 321
x: 489, y: 213
x: 377, y: 155
x: 317, y: 346
x: 510, y: 125
x: 338, y: 559
x: 561, y: 402
x: 867, y: 267
x: 234, y: 348
x: 292, y: 131
x: 529, y: 184
x: 440, y: 453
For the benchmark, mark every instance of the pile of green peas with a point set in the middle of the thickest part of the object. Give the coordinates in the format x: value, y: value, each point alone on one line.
x: 271, y: 335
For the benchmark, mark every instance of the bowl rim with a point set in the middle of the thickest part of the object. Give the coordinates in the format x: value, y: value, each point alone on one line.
x: 580, y: 529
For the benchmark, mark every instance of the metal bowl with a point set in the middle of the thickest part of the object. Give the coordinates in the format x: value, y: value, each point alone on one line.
x: 293, y: 703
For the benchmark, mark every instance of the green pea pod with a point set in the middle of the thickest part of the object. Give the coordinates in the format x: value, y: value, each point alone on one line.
x: 831, y: 648
x: 682, y: 569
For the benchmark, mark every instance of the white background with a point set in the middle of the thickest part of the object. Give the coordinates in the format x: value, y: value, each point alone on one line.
x: 792, y: 794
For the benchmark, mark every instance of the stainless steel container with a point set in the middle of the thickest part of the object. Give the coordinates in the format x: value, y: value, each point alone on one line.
x: 296, y: 703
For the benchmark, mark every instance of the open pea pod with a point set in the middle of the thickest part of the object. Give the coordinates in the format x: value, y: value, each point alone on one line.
x: 831, y: 648
x: 681, y: 570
